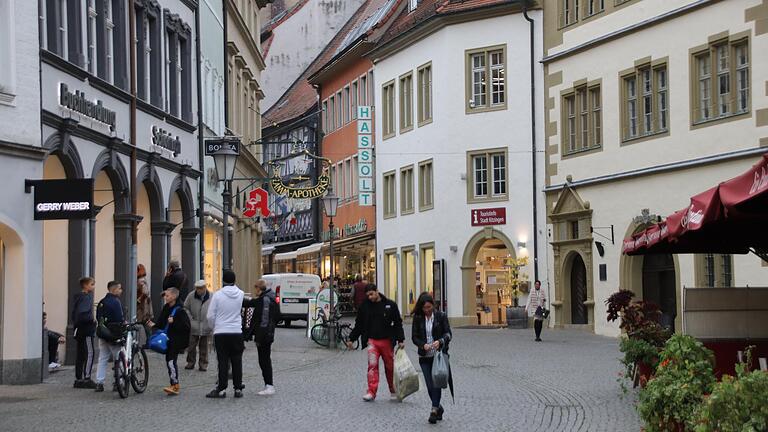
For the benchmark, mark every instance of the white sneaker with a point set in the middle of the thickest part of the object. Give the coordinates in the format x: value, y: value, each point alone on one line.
x: 368, y: 397
x: 268, y: 391
x: 54, y: 365
x: 393, y: 397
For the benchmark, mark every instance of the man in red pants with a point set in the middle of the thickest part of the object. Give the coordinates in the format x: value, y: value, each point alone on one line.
x: 379, y: 321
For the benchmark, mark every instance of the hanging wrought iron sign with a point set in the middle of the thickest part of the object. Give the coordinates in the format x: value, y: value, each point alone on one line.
x: 295, y: 185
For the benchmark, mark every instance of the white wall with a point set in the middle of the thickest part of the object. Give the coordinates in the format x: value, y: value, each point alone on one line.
x: 298, y: 40
x: 447, y: 139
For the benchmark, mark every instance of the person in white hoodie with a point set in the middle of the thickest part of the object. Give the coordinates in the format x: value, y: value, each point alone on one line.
x: 225, y: 320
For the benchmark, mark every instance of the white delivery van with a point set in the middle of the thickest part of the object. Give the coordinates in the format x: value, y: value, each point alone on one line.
x: 292, y: 293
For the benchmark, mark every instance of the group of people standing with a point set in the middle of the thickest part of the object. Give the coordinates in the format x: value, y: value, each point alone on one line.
x: 190, y: 325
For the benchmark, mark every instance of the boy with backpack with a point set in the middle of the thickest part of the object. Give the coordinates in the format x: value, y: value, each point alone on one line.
x: 175, y: 320
x: 109, y: 315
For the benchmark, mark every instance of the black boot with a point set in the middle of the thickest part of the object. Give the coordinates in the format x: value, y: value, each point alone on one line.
x: 432, y: 416
x: 440, y: 412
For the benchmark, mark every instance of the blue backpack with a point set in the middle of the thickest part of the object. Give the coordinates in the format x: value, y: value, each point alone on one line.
x: 158, y: 342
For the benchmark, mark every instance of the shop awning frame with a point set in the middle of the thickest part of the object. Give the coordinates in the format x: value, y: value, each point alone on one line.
x: 285, y: 256
x: 313, y: 248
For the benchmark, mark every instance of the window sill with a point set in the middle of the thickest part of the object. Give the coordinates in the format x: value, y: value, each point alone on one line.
x: 491, y: 108
x: 390, y: 216
x: 474, y: 200
x: 7, y: 99
x: 643, y: 138
x: 582, y: 152
x: 406, y: 129
x: 425, y: 122
x: 721, y: 119
x: 426, y: 207
x: 407, y: 212
x: 386, y: 137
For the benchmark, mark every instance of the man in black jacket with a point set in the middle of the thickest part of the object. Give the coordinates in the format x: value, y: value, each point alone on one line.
x: 174, y: 317
x: 85, y: 329
x: 176, y: 278
x: 110, y: 310
x: 379, y: 321
x: 266, y: 314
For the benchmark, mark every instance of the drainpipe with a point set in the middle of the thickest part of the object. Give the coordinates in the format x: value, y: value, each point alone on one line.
x: 134, y: 223
x: 226, y: 70
x: 200, y: 154
x: 533, y: 146
x: 318, y: 167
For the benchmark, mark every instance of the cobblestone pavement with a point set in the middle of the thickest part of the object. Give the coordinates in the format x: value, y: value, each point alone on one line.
x: 504, y: 382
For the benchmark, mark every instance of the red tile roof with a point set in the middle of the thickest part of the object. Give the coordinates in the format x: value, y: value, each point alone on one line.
x: 428, y: 9
x: 301, y: 96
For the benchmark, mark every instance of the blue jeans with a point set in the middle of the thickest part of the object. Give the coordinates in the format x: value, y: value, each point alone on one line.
x: 434, y: 392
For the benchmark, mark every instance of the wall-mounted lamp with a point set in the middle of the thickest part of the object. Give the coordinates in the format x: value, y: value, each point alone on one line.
x: 521, y: 245
x: 454, y: 248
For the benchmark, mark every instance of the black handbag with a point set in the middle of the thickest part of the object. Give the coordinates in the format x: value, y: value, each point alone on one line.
x: 542, y: 312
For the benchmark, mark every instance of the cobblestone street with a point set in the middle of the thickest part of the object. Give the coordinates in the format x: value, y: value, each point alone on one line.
x: 504, y: 382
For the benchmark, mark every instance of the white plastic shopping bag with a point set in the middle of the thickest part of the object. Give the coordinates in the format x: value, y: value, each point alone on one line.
x: 406, y: 377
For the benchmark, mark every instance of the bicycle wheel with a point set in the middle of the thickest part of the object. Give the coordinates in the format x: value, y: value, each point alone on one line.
x: 121, y: 375
x: 320, y: 334
x: 344, y: 331
x: 139, y: 370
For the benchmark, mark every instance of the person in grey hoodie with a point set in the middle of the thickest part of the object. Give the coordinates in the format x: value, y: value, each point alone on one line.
x: 225, y: 320
x: 196, y: 305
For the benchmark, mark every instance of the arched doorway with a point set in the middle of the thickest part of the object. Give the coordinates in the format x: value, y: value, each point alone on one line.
x: 152, y: 232
x: 579, y: 313
x: 14, y: 298
x: 659, y: 286
x: 484, y: 275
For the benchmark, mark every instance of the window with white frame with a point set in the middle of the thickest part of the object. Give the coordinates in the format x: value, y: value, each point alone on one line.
x: 488, y: 175
x: 389, y: 195
x: 406, y: 102
x: 364, y: 90
x: 406, y: 190
x: 388, y: 112
x: 424, y: 93
x: 721, y: 80
x: 91, y: 38
x: 7, y: 60
x: 353, y: 96
x: 581, y: 118
x: 109, y: 45
x: 646, y: 101
x: 339, y: 110
x: 714, y: 270
x: 346, y: 104
x: 325, y: 116
x: 486, y: 87
x: 426, y: 185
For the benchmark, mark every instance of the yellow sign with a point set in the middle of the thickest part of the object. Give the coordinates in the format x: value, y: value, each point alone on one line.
x: 310, y: 192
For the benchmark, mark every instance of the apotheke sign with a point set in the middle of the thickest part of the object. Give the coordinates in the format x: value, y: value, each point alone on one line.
x: 63, y: 199
x: 490, y: 216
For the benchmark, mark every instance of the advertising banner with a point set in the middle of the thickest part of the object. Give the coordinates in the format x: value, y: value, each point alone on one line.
x: 63, y: 199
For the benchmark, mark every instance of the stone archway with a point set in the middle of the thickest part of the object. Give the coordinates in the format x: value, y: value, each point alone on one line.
x: 152, y: 230
x: 14, y: 306
x: 468, y: 266
x: 183, y: 229
x: 631, y: 269
x: 576, y: 280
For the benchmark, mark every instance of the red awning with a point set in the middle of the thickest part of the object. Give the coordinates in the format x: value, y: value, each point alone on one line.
x: 729, y: 218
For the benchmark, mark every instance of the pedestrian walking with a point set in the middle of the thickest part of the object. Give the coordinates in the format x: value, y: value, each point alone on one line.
x: 226, y: 321
x: 53, y: 340
x: 84, y: 331
x: 196, y: 304
x: 537, y: 301
x: 109, y: 311
x: 174, y: 317
x: 379, y: 321
x: 176, y: 278
x: 266, y: 314
x: 431, y: 332
x: 144, y: 311
x: 358, y: 291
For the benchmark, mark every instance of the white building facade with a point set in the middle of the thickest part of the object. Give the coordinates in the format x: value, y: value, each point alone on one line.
x: 647, y: 103
x: 453, y: 140
x: 85, y: 61
x: 21, y: 289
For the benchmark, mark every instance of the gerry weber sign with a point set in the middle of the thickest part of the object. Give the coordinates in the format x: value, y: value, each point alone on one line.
x: 490, y: 216
x: 77, y: 102
x: 63, y: 199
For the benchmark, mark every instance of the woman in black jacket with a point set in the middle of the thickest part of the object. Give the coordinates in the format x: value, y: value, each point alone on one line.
x: 173, y: 316
x: 266, y: 314
x: 430, y: 332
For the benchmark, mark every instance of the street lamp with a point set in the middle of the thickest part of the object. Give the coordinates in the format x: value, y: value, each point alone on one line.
x: 225, y: 159
x: 331, y: 204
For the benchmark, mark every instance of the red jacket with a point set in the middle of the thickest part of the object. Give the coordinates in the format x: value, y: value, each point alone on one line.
x: 359, y: 293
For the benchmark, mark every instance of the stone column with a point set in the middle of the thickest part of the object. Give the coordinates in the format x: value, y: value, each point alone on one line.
x: 123, y: 224
x: 189, y: 251
x: 159, y: 265
x: 76, y: 269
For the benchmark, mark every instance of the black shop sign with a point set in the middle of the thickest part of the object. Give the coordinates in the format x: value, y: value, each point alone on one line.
x: 63, y: 199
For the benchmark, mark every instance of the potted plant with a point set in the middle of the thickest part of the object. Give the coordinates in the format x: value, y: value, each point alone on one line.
x: 640, y: 360
x: 670, y: 401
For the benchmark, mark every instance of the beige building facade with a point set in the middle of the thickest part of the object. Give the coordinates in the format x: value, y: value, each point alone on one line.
x: 646, y: 103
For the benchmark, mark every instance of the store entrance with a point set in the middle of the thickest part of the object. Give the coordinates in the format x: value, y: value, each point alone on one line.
x: 492, y: 291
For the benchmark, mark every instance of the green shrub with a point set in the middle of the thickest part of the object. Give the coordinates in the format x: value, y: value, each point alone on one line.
x: 684, y: 375
x: 736, y: 404
x: 637, y: 351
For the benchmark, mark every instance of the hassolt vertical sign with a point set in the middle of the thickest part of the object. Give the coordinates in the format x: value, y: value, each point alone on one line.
x: 365, y: 155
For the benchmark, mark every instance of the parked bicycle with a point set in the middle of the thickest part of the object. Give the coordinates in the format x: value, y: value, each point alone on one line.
x: 321, y: 332
x: 131, y: 364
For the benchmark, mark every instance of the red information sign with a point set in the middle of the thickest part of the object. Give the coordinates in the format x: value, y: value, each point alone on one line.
x: 491, y: 216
